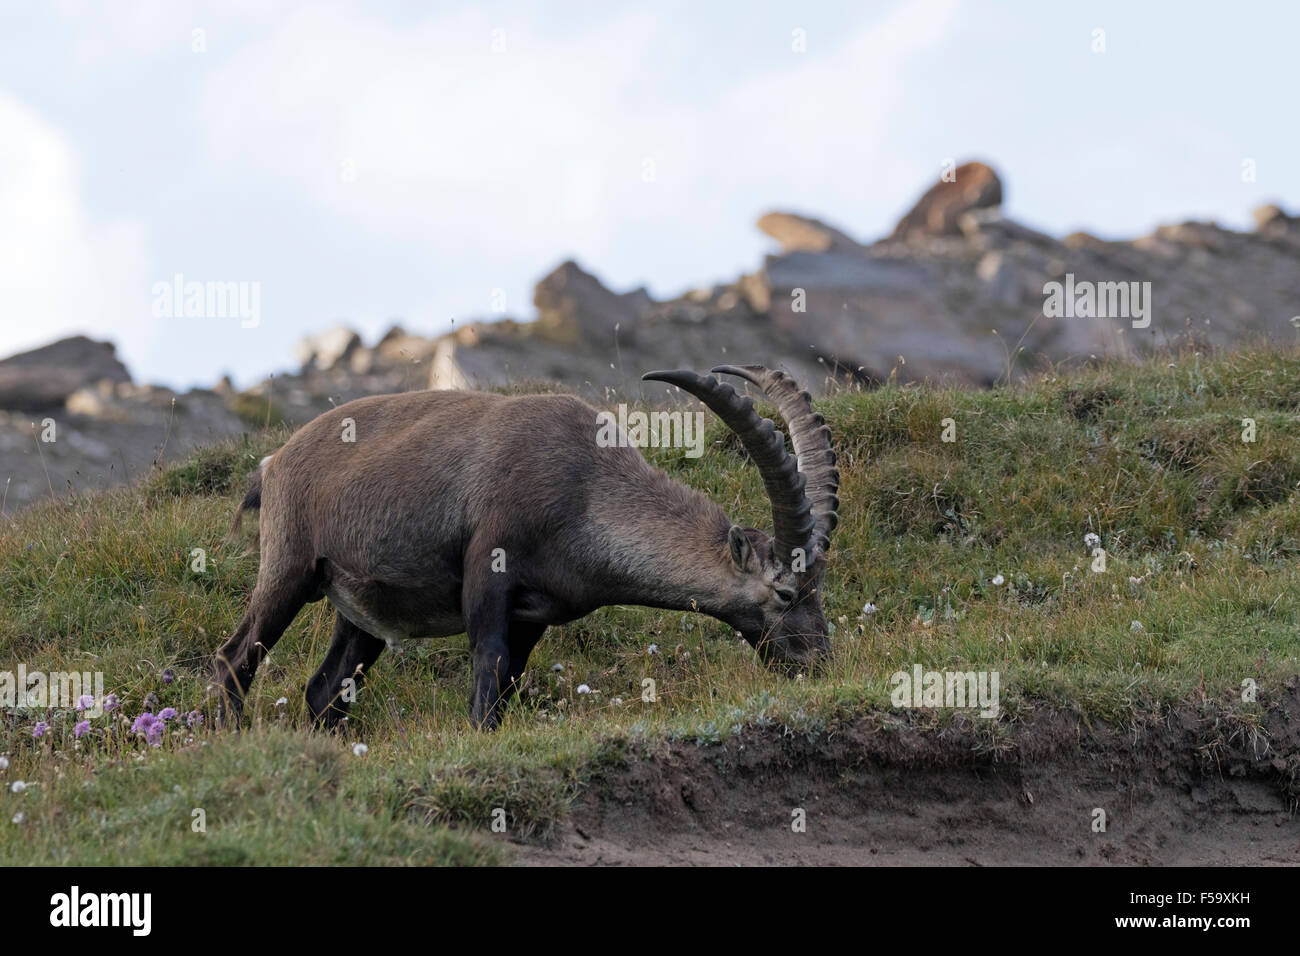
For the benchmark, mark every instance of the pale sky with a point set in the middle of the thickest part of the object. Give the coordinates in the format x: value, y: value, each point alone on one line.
x: 366, y: 163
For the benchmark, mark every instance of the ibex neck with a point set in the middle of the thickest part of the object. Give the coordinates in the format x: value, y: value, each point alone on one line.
x: 669, y: 548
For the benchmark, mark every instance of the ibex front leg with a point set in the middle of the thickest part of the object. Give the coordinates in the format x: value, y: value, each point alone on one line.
x: 487, y: 619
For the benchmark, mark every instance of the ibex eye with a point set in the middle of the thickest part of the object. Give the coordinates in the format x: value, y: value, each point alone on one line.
x: 785, y: 595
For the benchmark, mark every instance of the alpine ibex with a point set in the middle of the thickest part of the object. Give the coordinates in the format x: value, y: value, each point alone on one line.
x: 500, y: 515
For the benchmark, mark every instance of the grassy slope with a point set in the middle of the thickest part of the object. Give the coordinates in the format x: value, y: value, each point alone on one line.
x: 1200, y: 528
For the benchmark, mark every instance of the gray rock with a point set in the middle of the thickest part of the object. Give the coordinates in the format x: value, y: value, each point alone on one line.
x: 999, y: 278
x: 43, y: 378
x: 988, y: 228
x: 808, y: 270
x: 574, y: 306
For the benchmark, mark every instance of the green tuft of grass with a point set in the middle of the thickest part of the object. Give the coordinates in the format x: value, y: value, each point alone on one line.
x: 257, y: 411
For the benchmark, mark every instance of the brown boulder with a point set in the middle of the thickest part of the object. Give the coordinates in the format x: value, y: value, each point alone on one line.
x: 939, y: 211
x: 1272, y: 220
x: 803, y: 234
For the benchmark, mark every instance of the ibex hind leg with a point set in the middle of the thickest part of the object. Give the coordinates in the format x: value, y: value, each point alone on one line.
x: 275, y: 602
x: 351, y: 655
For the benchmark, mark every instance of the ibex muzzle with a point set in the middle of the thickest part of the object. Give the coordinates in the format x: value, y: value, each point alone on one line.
x: 501, y: 515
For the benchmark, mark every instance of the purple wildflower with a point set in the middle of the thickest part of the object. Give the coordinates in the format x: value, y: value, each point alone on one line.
x: 167, y: 713
x: 142, y: 722
x: 82, y: 728
x: 194, y: 719
x: 85, y: 702
x: 112, y: 702
x: 150, y: 726
x: 168, y: 676
x: 39, y: 730
x: 151, y: 701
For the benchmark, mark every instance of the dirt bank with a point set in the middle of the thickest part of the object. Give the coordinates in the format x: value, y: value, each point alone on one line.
x: 1195, y: 786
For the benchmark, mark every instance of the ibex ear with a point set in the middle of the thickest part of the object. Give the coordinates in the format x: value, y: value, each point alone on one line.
x: 740, y: 549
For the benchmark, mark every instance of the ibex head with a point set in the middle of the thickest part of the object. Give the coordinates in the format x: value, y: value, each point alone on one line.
x: 777, y: 605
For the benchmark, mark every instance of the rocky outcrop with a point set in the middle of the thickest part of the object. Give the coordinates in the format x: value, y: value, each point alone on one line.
x: 956, y: 293
x: 105, y: 435
x: 43, y: 378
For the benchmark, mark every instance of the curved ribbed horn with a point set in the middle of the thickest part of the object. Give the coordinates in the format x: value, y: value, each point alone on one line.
x: 811, y: 438
x: 792, y: 519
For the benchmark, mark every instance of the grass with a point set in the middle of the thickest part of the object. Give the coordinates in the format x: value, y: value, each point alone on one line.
x: 972, y: 551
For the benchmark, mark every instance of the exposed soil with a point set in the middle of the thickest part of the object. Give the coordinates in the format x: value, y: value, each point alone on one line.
x: 1195, y: 787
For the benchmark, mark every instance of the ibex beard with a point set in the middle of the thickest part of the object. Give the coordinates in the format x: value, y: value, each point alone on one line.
x: 501, y: 515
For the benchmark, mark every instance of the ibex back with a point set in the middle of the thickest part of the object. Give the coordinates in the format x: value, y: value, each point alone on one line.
x: 501, y: 515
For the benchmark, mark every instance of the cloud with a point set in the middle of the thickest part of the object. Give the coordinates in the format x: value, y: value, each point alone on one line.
x: 60, y: 272
x: 396, y: 124
x: 420, y: 131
